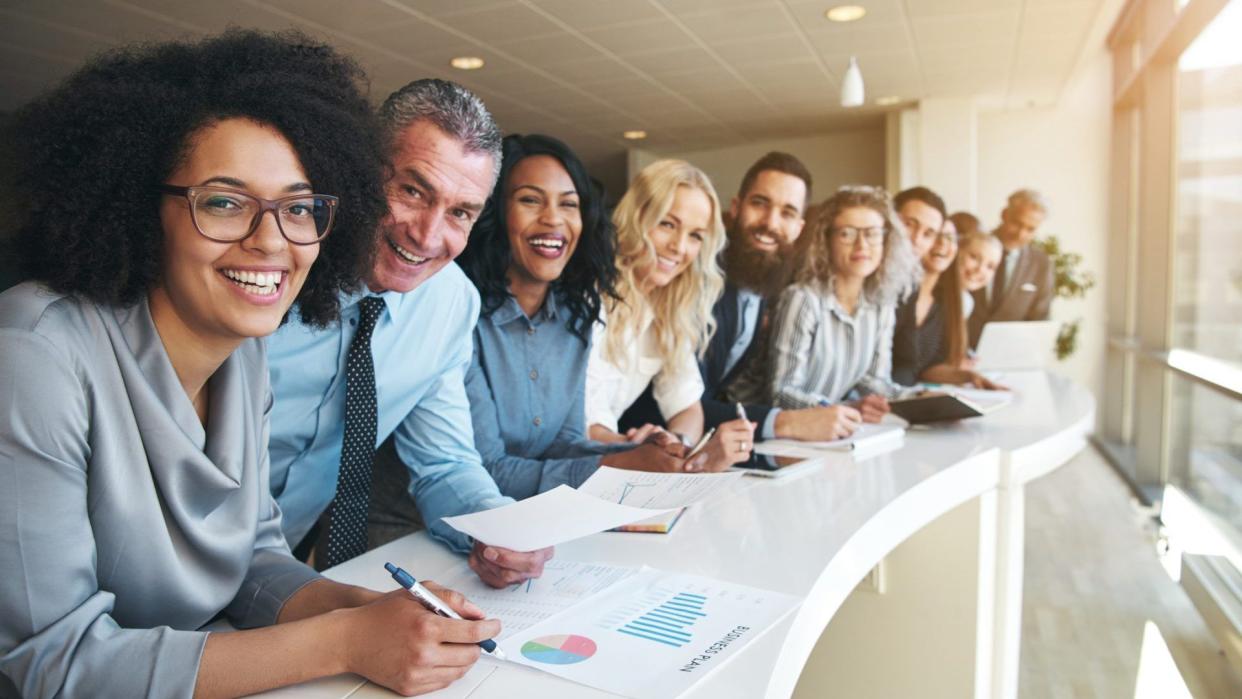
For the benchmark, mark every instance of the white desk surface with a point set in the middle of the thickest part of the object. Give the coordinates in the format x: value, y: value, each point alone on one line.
x: 814, y: 534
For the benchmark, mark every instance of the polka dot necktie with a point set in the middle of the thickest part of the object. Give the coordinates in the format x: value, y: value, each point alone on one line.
x: 347, y: 515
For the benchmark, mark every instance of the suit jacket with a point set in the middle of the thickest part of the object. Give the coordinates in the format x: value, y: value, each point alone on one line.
x: 1028, y: 294
x: 713, y: 367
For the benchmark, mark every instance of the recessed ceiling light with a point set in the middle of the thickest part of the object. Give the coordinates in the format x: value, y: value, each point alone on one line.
x: 888, y: 101
x: 635, y: 135
x: 467, y: 63
x: 845, y: 13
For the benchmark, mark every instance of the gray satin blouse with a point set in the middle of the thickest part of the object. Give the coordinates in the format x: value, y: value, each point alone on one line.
x: 124, y: 524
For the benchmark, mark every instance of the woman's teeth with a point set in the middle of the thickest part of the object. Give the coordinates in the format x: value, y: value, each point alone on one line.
x: 261, y: 283
x: 550, y: 243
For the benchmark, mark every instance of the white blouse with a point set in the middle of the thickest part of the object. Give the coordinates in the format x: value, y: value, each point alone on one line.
x: 612, y: 387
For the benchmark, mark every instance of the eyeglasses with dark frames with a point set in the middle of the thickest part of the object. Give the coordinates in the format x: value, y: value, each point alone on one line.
x: 849, y: 235
x: 228, y: 215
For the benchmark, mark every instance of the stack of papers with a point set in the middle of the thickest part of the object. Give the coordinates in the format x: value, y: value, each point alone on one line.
x: 610, y: 498
x: 656, y: 491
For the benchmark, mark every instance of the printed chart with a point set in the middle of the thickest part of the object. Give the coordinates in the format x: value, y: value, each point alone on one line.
x: 671, y: 622
x: 562, y: 585
x: 678, y: 628
x: 563, y: 649
x: 655, y: 490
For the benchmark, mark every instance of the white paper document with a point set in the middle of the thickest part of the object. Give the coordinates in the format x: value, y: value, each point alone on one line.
x: 610, y: 498
x: 654, y: 490
x: 867, y: 436
x: 562, y: 585
x: 547, y: 519
x: 982, y: 400
x: 677, y: 628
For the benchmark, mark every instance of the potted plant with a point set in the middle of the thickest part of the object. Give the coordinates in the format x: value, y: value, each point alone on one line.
x: 1069, y: 282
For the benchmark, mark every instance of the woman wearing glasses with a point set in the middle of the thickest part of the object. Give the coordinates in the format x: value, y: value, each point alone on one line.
x: 832, y: 332
x: 179, y: 199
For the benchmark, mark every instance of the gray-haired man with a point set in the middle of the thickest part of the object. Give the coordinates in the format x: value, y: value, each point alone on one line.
x: 1023, y: 286
x: 395, y: 364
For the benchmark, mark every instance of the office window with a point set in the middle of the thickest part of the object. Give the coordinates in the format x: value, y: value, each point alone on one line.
x: 1207, y: 432
x: 1207, y: 280
x: 1172, y: 409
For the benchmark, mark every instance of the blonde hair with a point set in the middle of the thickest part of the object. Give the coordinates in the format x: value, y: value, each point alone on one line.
x: 899, y: 271
x: 949, y: 290
x: 977, y: 237
x: 682, y: 310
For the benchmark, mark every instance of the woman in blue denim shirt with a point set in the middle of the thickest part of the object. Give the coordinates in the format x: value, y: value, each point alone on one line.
x: 541, y: 256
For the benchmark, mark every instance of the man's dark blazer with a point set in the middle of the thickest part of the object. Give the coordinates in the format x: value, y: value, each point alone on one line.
x: 1028, y: 294
x: 712, y: 367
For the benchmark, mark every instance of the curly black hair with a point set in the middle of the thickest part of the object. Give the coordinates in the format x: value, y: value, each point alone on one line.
x: 92, y: 153
x: 590, y: 274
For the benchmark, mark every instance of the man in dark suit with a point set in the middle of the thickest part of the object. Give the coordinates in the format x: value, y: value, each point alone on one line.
x: 765, y: 219
x: 1023, y: 286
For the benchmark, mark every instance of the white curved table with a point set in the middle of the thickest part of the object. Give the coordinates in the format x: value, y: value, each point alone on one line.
x: 817, y: 534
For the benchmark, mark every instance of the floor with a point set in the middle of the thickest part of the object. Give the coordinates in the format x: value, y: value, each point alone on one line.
x: 1093, y: 582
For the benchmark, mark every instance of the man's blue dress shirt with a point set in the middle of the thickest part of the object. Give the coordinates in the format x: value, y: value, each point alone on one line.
x: 422, y: 349
x: 527, y: 387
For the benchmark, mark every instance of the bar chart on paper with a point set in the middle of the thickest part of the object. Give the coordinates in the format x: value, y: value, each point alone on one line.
x: 677, y: 628
x: 670, y: 620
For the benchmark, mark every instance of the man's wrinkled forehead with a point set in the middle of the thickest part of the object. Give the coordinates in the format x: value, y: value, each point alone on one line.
x: 425, y: 152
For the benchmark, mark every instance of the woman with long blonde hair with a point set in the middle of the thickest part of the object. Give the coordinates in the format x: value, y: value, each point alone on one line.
x: 669, y: 235
x: 832, y: 332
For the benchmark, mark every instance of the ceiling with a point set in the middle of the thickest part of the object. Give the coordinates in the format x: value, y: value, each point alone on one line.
x: 692, y: 73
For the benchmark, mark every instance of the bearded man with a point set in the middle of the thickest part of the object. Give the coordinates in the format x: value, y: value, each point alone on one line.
x: 764, y: 223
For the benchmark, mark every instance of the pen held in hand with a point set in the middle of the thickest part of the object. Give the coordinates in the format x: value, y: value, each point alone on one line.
x: 698, y: 447
x: 434, y: 604
x: 741, y: 413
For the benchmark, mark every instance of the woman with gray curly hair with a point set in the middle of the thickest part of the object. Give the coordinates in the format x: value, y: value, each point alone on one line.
x: 832, y: 332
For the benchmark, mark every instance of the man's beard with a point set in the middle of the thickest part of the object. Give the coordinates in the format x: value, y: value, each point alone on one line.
x: 762, y: 271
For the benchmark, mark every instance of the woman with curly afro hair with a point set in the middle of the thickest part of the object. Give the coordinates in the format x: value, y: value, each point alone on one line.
x: 133, y: 379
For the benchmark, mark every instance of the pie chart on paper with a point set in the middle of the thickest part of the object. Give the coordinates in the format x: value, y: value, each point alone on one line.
x: 563, y: 649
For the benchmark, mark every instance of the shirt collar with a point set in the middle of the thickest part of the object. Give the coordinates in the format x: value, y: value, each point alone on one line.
x: 510, y: 311
x: 393, y: 300
x: 835, y: 307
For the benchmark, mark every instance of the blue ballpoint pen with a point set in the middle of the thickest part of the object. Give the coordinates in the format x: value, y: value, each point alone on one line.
x: 434, y: 604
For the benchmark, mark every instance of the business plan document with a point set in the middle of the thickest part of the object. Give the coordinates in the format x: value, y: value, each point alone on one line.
x: 654, y: 634
x: 562, y: 585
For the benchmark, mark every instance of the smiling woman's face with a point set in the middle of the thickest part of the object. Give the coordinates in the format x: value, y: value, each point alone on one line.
x: 242, y: 289
x: 861, y: 256
x: 543, y: 218
x: 938, y: 258
x: 677, y: 237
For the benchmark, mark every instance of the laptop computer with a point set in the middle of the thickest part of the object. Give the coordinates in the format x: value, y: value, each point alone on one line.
x: 1022, y: 344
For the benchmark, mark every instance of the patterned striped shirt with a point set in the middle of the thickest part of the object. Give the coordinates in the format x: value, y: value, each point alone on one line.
x: 819, y: 353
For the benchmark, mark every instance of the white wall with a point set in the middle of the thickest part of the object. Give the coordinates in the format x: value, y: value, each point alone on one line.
x: 834, y: 159
x: 1063, y: 152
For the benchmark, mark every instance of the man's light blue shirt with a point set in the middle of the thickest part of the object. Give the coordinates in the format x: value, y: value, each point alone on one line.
x: 422, y: 347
